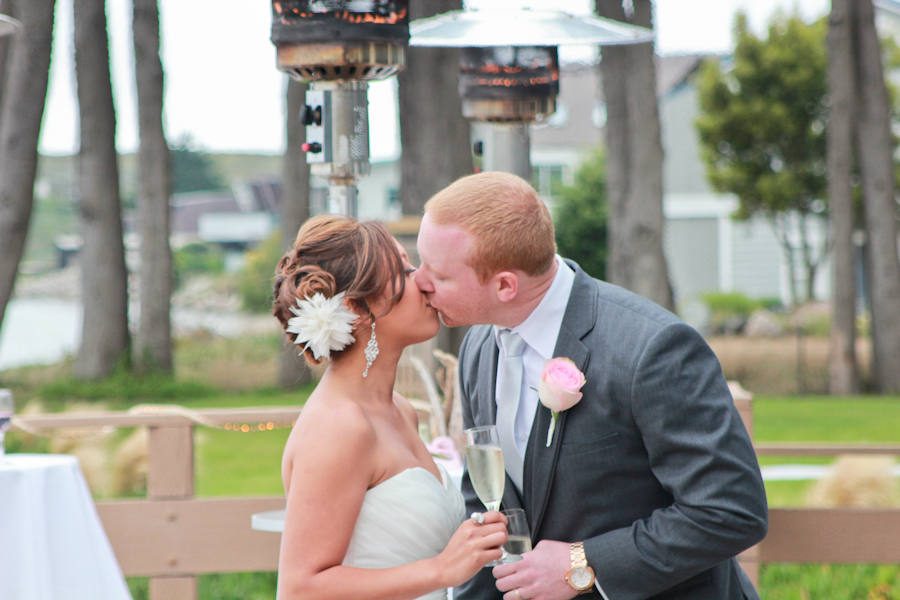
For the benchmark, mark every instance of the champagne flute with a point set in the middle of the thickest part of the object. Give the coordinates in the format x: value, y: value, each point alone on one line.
x: 6, y: 413
x: 519, y: 540
x: 484, y: 460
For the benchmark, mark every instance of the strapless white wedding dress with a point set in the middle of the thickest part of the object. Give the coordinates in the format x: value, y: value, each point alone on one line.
x: 406, y: 518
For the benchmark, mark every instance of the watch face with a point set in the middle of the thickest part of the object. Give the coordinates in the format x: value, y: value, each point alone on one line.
x: 581, y: 577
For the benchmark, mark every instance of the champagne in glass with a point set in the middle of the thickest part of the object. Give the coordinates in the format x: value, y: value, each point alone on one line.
x: 519, y: 539
x: 6, y: 413
x: 484, y: 460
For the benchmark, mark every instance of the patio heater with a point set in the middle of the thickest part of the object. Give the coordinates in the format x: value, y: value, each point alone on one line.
x: 338, y: 46
x: 509, y: 69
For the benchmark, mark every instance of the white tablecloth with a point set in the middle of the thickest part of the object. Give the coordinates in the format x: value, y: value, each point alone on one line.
x: 52, y: 544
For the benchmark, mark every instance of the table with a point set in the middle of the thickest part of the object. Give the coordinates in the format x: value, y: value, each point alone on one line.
x: 52, y: 544
x: 271, y: 520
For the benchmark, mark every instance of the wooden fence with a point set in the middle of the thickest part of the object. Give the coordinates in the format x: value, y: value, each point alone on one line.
x: 171, y: 536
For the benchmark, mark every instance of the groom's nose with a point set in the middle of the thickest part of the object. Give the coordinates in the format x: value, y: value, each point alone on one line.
x: 423, y: 280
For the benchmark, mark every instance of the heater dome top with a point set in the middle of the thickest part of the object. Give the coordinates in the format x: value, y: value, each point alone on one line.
x: 521, y: 27
x: 8, y: 25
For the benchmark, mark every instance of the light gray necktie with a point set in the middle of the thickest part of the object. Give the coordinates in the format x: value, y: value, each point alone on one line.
x: 509, y: 389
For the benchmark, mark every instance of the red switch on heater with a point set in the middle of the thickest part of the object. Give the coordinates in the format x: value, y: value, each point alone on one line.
x: 314, y: 147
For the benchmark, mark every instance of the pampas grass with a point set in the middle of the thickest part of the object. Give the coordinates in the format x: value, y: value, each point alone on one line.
x: 129, y: 466
x: 91, y: 449
x: 857, y: 482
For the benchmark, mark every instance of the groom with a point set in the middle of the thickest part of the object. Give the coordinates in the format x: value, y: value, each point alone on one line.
x: 649, y: 486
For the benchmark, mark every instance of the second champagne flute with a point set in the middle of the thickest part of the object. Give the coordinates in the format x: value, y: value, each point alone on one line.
x: 519, y: 541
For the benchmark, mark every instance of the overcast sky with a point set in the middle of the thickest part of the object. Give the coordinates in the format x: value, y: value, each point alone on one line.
x: 222, y: 88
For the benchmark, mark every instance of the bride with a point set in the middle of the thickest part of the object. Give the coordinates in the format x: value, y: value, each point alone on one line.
x: 369, y: 513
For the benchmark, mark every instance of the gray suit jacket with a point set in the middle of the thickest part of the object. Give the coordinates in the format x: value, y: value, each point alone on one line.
x: 653, y: 468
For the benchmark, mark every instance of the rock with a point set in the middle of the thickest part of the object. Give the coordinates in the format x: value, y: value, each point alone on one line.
x: 733, y: 325
x: 763, y: 323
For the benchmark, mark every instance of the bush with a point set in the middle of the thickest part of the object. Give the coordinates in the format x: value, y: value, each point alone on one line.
x: 730, y: 303
x: 729, y: 311
x: 255, y: 278
x: 196, y: 258
x: 580, y: 217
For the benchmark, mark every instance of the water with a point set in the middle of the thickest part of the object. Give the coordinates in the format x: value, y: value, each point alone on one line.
x: 39, y: 331
x: 45, y: 330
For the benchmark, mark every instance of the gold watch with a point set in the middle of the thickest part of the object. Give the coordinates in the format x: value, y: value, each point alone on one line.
x: 580, y: 576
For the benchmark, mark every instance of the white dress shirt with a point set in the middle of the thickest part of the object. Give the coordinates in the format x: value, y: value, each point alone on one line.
x: 539, y: 331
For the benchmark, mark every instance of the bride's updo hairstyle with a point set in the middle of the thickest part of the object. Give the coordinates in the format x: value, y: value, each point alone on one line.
x: 334, y: 254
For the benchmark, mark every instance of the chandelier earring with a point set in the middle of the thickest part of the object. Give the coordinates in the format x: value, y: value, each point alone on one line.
x: 371, y: 351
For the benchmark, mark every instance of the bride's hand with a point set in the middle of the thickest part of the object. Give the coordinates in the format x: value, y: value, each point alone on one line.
x: 472, y: 547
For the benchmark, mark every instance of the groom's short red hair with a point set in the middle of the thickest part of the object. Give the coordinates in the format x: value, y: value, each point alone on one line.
x: 510, y: 224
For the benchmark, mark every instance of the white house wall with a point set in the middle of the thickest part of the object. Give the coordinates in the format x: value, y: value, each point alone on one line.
x: 692, y: 254
x: 683, y: 171
x: 759, y: 268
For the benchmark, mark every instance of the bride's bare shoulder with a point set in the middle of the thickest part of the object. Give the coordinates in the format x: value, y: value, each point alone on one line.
x: 333, y: 421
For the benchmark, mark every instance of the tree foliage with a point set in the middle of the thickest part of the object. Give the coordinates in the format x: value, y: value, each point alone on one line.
x: 580, y: 217
x: 255, y: 279
x: 763, y: 122
x: 762, y: 128
x: 192, y: 169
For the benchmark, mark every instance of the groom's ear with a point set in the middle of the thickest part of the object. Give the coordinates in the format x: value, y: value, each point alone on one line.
x: 506, y: 284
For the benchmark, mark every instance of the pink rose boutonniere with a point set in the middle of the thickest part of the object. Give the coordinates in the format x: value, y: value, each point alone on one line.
x: 559, y: 388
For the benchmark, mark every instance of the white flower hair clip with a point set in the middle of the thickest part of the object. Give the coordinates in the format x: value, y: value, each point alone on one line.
x: 323, y: 324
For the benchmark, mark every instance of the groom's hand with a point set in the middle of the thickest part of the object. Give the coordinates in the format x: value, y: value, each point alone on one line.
x: 540, y: 575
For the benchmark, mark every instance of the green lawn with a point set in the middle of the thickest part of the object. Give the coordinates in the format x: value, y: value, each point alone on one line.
x: 819, y: 419
x: 231, y: 463
x: 823, y: 419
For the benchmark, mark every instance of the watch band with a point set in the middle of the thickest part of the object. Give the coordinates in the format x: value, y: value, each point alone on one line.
x: 579, y: 559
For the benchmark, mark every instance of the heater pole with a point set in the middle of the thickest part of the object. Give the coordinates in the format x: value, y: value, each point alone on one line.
x: 342, y: 197
x: 337, y: 139
x: 507, y: 148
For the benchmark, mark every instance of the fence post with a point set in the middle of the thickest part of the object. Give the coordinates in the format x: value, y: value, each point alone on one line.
x: 743, y: 401
x: 170, y: 476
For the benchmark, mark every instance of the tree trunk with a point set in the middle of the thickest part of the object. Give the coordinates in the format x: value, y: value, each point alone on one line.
x: 875, y: 149
x: 153, y: 342
x: 780, y: 229
x: 634, y: 176
x: 104, y: 341
x: 433, y: 133
x: 843, y: 374
x: 24, y: 83
x: 292, y: 368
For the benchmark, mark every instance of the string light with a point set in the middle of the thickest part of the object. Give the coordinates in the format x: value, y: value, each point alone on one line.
x: 150, y: 409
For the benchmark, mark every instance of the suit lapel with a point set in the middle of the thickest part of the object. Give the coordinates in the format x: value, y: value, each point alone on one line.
x: 540, y: 460
x: 487, y: 386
